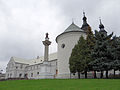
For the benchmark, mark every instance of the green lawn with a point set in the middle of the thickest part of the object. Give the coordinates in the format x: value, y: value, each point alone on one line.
x: 61, y: 84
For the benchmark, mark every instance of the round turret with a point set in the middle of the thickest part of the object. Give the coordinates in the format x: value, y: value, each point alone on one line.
x: 66, y: 42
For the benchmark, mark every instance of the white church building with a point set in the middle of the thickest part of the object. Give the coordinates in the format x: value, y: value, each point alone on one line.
x: 55, y: 65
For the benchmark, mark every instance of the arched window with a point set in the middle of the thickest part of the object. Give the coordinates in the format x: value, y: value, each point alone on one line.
x: 63, y: 45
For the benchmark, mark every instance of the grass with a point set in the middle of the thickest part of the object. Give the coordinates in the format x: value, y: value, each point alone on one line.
x: 61, y: 84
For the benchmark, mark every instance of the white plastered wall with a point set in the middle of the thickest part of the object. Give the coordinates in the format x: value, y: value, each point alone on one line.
x: 69, y: 39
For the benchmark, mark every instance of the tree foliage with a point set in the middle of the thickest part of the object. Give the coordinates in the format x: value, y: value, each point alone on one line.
x: 116, y: 53
x: 98, y: 52
x: 102, y: 59
x: 77, y: 58
x: 90, y: 40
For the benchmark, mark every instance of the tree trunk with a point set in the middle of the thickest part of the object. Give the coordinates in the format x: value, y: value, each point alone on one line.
x: 114, y: 73
x: 106, y: 73
x: 78, y: 75
x: 95, y: 74
x: 101, y: 76
x: 85, y: 74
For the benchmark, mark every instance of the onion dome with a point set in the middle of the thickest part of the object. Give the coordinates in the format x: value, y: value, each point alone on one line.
x: 101, y: 26
x: 85, y: 25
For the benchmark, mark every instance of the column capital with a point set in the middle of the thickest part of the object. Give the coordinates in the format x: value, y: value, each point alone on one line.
x: 46, y: 42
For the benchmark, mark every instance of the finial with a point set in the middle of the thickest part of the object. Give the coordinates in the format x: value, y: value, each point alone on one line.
x: 101, y: 25
x: 100, y: 20
x: 84, y: 17
x: 83, y: 13
x: 72, y: 20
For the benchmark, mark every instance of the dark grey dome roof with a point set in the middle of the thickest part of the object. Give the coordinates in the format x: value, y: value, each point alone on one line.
x: 73, y: 27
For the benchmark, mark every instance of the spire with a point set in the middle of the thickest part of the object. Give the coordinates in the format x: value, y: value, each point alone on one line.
x: 85, y: 25
x: 101, y: 26
x: 84, y: 17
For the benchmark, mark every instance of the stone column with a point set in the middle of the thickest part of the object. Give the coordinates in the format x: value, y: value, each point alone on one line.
x: 46, y: 44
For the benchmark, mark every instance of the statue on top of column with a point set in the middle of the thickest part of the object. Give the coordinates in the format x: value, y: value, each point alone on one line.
x: 46, y: 35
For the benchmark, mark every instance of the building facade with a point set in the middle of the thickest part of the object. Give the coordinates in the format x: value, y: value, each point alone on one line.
x: 32, y: 69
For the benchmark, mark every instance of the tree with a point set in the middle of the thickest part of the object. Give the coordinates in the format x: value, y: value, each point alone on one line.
x: 72, y: 60
x: 116, y: 53
x: 77, y: 58
x: 90, y: 40
x: 102, y: 52
x: 81, y: 54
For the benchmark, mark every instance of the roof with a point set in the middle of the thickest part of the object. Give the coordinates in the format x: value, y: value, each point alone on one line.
x: 52, y: 56
x: 21, y: 60
x: 73, y: 27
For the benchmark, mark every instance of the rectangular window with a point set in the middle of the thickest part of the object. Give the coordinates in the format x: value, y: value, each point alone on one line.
x: 20, y: 75
x: 56, y: 71
x: 37, y: 73
x: 16, y: 67
x: 31, y: 74
x: 10, y: 75
x: 21, y: 66
x: 34, y: 67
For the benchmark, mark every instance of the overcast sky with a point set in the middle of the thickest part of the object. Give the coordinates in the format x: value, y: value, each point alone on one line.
x: 23, y: 23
